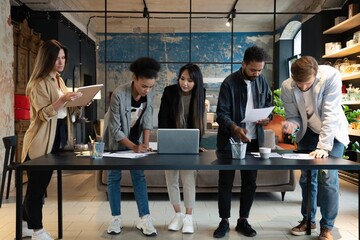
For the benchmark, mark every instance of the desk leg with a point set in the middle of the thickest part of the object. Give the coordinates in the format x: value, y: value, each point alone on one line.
x: 308, y: 202
x: 19, y: 183
x: 60, y: 211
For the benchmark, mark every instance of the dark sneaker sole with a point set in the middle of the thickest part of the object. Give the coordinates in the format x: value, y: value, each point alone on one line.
x: 222, y: 235
x: 245, y: 234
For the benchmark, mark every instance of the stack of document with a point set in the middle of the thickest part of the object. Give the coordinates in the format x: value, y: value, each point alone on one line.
x: 126, y: 154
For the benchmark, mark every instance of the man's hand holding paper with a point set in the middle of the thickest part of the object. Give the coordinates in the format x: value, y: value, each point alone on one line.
x: 263, y: 122
x: 258, y: 115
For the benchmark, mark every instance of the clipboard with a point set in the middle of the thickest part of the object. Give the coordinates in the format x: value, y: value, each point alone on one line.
x: 88, y: 92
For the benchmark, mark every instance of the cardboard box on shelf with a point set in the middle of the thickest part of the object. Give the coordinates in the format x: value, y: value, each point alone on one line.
x: 353, y: 9
x: 332, y: 47
x: 339, y: 20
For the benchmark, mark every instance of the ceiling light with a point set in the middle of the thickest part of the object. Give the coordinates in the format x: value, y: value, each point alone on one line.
x: 228, y: 23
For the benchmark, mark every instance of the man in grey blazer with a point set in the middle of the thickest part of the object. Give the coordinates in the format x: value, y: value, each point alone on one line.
x: 312, y: 102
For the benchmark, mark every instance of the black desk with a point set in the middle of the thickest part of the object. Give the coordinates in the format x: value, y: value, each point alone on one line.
x: 204, y: 161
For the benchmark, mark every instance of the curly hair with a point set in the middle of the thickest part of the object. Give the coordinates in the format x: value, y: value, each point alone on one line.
x: 256, y: 54
x: 145, y: 67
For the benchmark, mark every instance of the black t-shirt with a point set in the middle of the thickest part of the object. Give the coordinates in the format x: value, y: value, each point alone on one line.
x: 137, y: 109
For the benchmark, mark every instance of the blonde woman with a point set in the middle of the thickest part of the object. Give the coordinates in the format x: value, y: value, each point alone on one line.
x: 48, y: 95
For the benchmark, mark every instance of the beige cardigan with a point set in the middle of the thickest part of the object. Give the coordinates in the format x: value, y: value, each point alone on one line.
x: 39, y: 137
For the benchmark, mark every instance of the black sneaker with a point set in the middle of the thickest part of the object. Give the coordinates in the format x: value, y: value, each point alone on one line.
x: 245, y: 228
x: 222, y: 229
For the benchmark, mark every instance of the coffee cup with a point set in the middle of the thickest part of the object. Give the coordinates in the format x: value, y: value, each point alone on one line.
x: 264, y: 152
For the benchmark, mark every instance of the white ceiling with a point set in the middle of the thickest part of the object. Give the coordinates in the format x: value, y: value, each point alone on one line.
x: 174, y: 15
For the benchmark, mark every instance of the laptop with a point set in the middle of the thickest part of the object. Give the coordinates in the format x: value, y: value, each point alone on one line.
x: 178, y: 141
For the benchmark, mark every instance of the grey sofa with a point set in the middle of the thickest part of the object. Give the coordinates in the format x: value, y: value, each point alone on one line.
x: 207, y: 180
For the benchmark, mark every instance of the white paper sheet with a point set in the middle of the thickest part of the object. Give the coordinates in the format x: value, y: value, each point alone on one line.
x: 303, y: 156
x: 254, y: 115
x: 126, y: 154
x: 272, y: 155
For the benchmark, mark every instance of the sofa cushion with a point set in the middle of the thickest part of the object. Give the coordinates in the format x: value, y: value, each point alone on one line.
x: 154, y: 178
x: 208, y: 178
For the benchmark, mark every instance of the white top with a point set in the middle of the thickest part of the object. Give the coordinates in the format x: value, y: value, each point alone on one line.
x: 62, y: 112
x: 314, y: 122
x: 251, y: 126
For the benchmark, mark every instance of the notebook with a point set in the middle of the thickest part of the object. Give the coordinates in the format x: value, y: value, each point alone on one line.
x: 88, y: 92
x: 178, y: 141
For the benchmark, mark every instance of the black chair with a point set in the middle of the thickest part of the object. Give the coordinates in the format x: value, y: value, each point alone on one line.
x: 9, y: 164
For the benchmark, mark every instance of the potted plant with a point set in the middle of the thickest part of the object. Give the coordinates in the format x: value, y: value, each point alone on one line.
x: 353, y: 116
x: 353, y: 152
x: 280, y: 111
x: 278, y: 104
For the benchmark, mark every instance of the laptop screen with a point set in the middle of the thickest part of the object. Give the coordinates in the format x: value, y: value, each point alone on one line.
x: 178, y: 141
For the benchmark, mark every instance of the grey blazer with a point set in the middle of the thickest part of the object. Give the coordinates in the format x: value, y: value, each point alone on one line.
x: 117, y: 120
x: 327, y: 102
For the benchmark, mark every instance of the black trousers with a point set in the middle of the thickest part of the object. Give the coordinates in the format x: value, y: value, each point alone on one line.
x: 248, y: 188
x: 60, y: 139
x: 38, y: 182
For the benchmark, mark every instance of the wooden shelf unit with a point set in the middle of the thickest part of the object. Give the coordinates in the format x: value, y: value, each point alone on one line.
x: 344, y: 26
x: 344, y: 52
x: 351, y: 76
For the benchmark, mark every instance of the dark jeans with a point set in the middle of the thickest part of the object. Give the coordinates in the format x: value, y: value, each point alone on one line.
x: 248, y: 188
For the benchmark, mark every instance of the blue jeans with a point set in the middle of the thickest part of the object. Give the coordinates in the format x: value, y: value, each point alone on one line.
x: 327, y: 180
x: 140, y: 191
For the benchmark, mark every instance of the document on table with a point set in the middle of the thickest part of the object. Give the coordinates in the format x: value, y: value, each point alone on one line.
x: 272, y: 155
x: 256, y: 114
x: 126, y: 154
x: 300, y: 156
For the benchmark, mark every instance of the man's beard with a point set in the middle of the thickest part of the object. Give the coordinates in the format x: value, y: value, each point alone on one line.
x: 246, y: 77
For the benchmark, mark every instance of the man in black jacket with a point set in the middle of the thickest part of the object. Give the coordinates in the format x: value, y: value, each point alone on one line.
x: 244, y: 89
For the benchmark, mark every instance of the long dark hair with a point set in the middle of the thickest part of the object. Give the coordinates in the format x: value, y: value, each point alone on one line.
x: 197, y: 102
x: 45, y: 61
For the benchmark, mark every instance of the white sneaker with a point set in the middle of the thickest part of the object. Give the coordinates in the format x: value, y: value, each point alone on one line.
x: 177, y: 222
x: 115, y: 226
x: 188, y: 226
x: 26, y: 232
x: 41, y: 235
x: 146, y: 226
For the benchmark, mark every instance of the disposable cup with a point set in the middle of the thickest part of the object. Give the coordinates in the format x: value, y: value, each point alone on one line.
x: 264, y: 152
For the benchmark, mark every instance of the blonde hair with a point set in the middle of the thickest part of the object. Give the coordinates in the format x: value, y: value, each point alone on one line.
x: 44, y: 62
x: 303, y: 68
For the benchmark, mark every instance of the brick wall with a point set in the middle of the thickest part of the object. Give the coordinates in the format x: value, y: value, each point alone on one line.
x: 6, y: 77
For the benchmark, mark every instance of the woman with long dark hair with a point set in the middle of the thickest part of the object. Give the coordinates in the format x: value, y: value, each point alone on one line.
x: 183, y: 106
